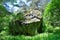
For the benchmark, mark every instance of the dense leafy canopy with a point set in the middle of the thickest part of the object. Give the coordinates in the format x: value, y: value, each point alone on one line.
x: 51, y: 15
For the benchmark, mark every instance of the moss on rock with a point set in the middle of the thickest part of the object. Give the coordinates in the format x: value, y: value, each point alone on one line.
x: 24, y: 29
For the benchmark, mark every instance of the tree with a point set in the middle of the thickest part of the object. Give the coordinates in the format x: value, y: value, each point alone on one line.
x: 51, y: 17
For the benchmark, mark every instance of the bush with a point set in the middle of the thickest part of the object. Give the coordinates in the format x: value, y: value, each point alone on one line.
x: 4, y: 18
x: 51, y: 17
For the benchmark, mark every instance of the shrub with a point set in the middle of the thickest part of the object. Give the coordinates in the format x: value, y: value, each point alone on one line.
x: 51, y: 17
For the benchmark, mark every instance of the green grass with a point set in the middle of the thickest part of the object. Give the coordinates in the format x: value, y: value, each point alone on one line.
x: 43, y: 36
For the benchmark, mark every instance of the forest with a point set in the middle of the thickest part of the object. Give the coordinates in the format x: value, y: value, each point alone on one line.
x: 29, y: 20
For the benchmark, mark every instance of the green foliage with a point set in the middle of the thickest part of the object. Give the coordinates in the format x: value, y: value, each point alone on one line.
x: 22, y: 37
x: 1, y: 1
x: 43, y: 36
x: 5, y: 18
x: 26, y: 29
x: 51, y: 17
x: 12, y: 24
x: 3, y: 11
x: 19, y: 16
x: 7, y: 24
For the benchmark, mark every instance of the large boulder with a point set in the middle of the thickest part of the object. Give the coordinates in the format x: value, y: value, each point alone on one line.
x: 28, y: 26
x: 33, y: 16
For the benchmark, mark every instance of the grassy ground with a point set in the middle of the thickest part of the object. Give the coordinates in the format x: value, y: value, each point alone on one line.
x: 43, y: 36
